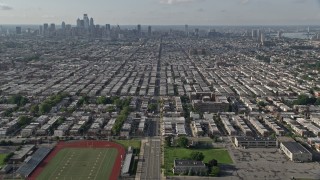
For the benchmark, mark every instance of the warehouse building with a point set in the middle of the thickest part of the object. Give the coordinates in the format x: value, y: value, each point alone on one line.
x: 296, y: 152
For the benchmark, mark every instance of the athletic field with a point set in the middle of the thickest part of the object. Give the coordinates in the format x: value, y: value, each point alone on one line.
x: 80, y: 163
x: 79, y: 160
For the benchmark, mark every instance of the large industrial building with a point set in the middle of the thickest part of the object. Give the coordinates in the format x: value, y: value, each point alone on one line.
x: 296, y: 152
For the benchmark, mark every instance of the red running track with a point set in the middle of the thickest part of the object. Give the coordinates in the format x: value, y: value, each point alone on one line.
x: 83, y: 144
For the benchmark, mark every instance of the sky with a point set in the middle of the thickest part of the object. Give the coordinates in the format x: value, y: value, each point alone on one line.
x: 163, y: 12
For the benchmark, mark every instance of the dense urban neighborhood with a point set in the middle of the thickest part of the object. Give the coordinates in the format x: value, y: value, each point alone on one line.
x: 234, y: 102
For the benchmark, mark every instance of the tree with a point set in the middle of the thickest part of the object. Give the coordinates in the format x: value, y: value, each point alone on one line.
x: 167, y: 141
x: 303, y: 99
x: 102, y: 100
x: 215, y: 171
x: 24, y: 120
x: 110, y: 109
x: 317, y: 103
x: 212, y: 163
x: 44, y: 108
x: 152, y: 107
x: 183, y: 142
x: 262, y: 103
x: 34, y: 109
x: 7, y: 158
x: 197, y: 156
x: 18, y: 100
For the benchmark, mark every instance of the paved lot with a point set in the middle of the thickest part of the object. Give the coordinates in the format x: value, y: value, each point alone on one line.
x: 151, y: 160
x: 268, y: 164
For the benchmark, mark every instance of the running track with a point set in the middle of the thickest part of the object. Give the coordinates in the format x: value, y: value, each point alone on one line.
x: 83, y: 144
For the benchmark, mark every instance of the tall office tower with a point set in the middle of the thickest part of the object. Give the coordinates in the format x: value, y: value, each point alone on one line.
x: 68, y: 27
x: 45, y: 27
x: 139, y: 29
x: 52, y: 27
x: 86, y: 21
x: 108, y: 31
x: 40, y: 30
x: 91, y: 22
x: 108, y: 27
x: 149, y: 31
x: 254, y: 33
x: 18, y: 30
x: 279, y: 34
x: 186, y: 29
x: 82, y: 23
x: 259, y: 34
x: 63, y: 25
x: 196, y: 32
x: 263, y: 38
x: 78, y: 23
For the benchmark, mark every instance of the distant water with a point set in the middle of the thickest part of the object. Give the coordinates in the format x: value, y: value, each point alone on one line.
x: 298, y: 35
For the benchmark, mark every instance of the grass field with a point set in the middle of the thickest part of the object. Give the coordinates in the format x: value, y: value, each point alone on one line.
x: 2, y: 156
x: 136, y: 144
x: 171, y: 153
x: 80, y: 163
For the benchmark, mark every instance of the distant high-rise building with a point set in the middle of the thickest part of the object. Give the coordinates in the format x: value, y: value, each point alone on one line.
x: 82, y: 23
x: 139, y: 29
x: 254, y: 33
x: 259, y: 32
x: 91, y: 22
x: 40, y: 30
x: 186, y: 29
x: 108, y: 27
x: 196, y: 32
x: 78, y: 23
x: 45, y: 27
x: 149, y: 30
x: 279, y: 34
x: 63, y: 25
x: 18, y: 30
x: 262, y: 39
x: 68, y: 26
x: 86, y: 21
x: 52, y: 27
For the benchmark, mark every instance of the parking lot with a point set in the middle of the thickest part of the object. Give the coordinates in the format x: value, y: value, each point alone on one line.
x: 268, y: 164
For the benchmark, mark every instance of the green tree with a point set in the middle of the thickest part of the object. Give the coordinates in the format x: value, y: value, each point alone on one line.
x: 196, y: 156
x: 7, y: 158
x: 262, y: 103
x: 102, y: 100
x: 152, y: 107
x: 213, y: 162
x: 304, y: 99
x: 215, y: 171
x: 44, y: 108
x: 317, y: 103
x: 167, y: 141
x: 18, y: 100
x: 183, y: 141
x: 34, y: 109
x: 24, y: 120
x: 110, y: 109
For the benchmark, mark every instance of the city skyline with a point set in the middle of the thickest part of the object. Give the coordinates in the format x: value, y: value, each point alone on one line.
x: 163, y: 12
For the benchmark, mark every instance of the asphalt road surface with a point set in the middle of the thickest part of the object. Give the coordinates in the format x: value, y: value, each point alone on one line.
x: 152, y: 161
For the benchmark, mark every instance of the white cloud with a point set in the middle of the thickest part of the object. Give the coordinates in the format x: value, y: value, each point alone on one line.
x: 244, y: 1
x: 5, y: 7
x: 179, y: 1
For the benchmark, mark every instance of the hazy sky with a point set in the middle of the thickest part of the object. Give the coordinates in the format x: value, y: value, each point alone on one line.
x: 163, y: 12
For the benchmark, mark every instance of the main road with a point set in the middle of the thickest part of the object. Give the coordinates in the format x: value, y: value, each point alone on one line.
x: 151, y: 160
